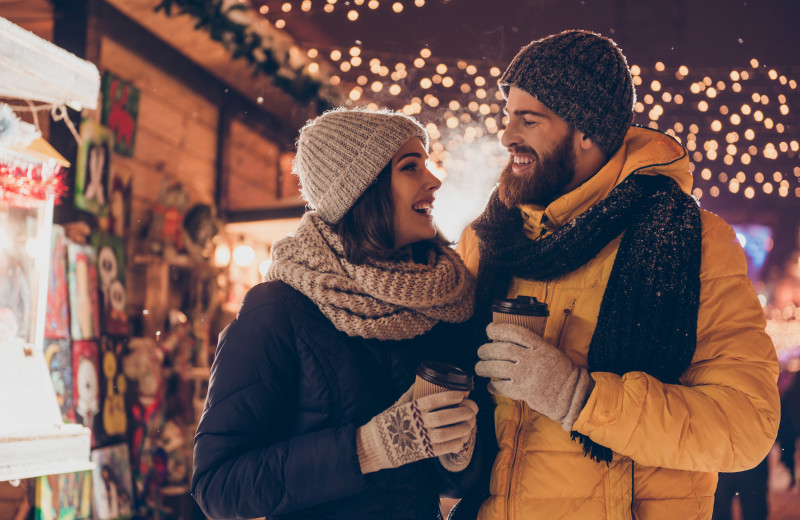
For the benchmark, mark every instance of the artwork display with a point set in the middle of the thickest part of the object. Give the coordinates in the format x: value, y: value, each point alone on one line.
x: 114, y: 418
x: 86, y: 381
x: 56, y: 324
x: 111, y: 279
x: 111, y: 483
x: 166, y: 228
x: 119, y: 204
x: 93, y: 168
x: 83, y: 296
x: 120, y: 110
x: 67, y: 496
x: 58, y: 355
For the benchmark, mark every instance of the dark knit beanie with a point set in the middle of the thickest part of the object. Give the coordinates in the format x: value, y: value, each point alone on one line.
x: 583, y: 78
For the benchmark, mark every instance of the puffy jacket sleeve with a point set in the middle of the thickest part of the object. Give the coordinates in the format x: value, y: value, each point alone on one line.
x: 724, y: 416
x: 246, y: 464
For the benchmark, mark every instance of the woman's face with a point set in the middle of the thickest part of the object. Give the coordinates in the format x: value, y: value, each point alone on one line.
x: 413, y: 186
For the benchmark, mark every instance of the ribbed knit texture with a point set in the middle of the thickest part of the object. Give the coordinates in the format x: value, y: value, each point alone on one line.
x: 383, y: 299
x: 341, y: 152
x: 648, y: 316
x: 583, y: 78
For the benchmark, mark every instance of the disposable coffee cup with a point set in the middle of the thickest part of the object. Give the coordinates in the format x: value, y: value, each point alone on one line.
x: 522, y: 310
x: 434, y: 377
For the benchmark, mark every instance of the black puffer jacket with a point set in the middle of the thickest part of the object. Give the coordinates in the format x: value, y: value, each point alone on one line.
x: 287, y: 392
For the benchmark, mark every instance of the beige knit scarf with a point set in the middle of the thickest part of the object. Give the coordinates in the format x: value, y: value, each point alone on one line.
x: 384, y: 299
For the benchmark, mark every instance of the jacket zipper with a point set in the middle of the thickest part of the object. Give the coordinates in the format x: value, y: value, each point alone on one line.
x: 567, y: 314
x: 511, y: 477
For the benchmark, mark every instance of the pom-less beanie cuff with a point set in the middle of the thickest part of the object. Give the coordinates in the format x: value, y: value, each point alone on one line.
x: 583, y: 78
x: 341, y: 152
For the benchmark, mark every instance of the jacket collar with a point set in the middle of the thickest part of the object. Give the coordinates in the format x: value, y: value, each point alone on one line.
x: 643, y: 151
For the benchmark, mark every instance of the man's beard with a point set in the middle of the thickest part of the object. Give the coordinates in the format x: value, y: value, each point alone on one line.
x: 550, y: 175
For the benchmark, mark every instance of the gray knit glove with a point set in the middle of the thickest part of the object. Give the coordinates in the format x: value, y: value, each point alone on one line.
x: 416, y: 430
x: 526, y: 368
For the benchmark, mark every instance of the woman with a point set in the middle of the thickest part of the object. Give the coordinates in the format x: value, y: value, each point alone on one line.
x: 309, y: 413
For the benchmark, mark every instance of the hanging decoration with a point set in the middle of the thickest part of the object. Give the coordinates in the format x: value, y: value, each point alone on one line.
x: 24, y: 180
x: 237, y: 26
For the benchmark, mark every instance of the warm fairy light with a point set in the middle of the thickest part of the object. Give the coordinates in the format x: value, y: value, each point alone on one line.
x: 441, y: 68
x: 749, y: 192
x: 666, y: 97
x: 698, y: 193
x: 280, y: 23
x: 305, y: 6
x: 447, y: 81
x: 749, y: 134
x: 361, y: 80
x: 707, y: 81
x: 373, y: 4
x: 735, y: 119
x: 706, y: 174
x: 312, y: 53
x: 264, y: 9
x: 754, y: 63
x: 784, y: 110
x: 745, y: 75
x: 425, y: 83
x: 716, y: 125
x: 480, y: 93
x: 425, y: 53
x: 714, y: 191
x: 480, y: 81
x: 454, y: 105
x: 767, y: 187
x: 683, y: 70
x: 336, y: 55
x: 733, y: 186
x: 494, y: 72
x: 345, y: 65
x: 471, y: 69
x: 286, y: 7
x: 638, y: 107
x: 437, y: 79
x: 328, y: 8
x: 376, y: 86
x: 711, y: 92
x: 419, y: 3
x: 355, y: 51
x: 695, y: 88
x: 678, y: 99
x: 419, y: 63
x: 635, y: 70
x: 335, y: 80
x: 355, y: 94
x: 355, y: 61
x: 660, y: 66
x: 352, y: 15
x: 655, y: 85
x: 397, y: 7
x: 394, y: 89
x: 313, y: 67
x: 648, y: 99
x: 637, y: 80
x: 702, y: 106
x: 465, y: 88
x: 734, y: 76
x: 777, y: 176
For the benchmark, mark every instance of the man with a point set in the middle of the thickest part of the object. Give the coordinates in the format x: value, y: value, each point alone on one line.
x: 654, y: 371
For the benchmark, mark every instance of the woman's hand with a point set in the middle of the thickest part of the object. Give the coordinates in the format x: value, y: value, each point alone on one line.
x: 434, y: 425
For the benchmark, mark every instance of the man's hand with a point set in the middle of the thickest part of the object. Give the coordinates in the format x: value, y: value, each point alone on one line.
x: 526, y: 368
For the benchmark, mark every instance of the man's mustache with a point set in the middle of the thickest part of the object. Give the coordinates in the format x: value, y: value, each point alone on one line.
x: 523, y: 150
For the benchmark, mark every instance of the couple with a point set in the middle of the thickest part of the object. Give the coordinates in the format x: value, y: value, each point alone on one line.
x: 653, y: 373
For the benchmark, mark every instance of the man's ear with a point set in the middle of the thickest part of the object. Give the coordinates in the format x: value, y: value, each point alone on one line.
x: 585, y: 141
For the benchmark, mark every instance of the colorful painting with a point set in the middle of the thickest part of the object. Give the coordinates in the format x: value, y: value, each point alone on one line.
x: 86, y: 381
x: 166, y: 228
x: 82, y: 283
x: 120, y: 109
x: 113, y: 423
x: 111, y: 280
x: 118, y: 221
x: 58, y: 355
x: 93, y: 168
x: 67, y: 496
x: 112, y: 484
x: 56, y: 325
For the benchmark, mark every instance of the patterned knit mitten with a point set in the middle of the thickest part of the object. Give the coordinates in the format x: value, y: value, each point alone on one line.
x: 417, y: 430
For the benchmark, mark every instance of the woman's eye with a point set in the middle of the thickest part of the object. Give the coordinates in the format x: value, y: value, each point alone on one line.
x: 410, y: 166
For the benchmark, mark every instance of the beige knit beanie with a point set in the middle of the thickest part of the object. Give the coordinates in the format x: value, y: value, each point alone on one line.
x: 341, y: 152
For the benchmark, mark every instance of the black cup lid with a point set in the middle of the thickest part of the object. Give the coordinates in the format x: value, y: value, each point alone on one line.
x: 526, y: 305
x: 445, y: 375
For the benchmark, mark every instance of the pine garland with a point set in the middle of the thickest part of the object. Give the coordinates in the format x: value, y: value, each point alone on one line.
x: 244, y: 42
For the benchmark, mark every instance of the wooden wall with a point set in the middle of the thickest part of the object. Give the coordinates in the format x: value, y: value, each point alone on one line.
x: 176, y: 134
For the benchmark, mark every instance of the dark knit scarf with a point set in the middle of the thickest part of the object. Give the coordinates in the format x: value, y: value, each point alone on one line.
x: 648, y: 315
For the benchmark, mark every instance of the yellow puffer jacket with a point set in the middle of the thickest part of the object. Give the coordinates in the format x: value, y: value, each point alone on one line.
x: 724, y: 416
